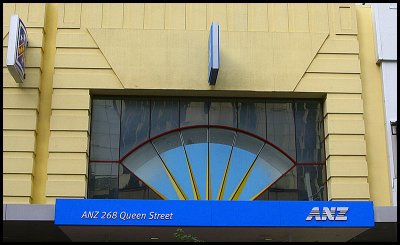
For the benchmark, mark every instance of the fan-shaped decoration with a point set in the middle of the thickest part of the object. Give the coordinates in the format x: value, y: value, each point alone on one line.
x: 208, y: 163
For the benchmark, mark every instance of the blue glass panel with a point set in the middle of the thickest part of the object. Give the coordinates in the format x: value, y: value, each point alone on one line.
x: 171, y: 151
x: 197, y: 151
x: 269, y: 166
x: 193, y: 112
x: 243, y: 155
x: 221, y: 141
x: 147, y: 165
x: 223, y: 113
x: 309, y: 132
x: 251, y: 116
x: 104, y: 142
x: 281, y: 126
x: 135, y: 124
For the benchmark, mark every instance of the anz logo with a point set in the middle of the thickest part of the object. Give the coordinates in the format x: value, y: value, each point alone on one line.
x: 333, y: 213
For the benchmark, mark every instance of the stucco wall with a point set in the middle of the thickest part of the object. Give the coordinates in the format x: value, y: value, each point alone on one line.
x: 290, y: 50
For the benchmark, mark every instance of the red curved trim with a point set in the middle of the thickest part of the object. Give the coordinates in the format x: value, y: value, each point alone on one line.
x: 208, y: 126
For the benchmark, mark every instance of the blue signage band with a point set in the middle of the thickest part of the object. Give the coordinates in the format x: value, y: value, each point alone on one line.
x: 214, y: 213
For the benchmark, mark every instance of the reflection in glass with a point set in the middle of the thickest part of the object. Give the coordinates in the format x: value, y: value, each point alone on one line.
x: 244, y: 153
x: 269, y: 166
x: 147, y: 165
x: 104, y: 142
x: 172, y: 153
x: 164, y: 116
x: 311, y: 182
x: 195, y: 141
x: 251, y: 117
x: 221, y: 141
x: 285, y: 188
x: 193, y: 113
x: 281, y: 127
x: 103, y: 178
x: 135, y: 124
x: 223, y: 113
x: 309, y: 132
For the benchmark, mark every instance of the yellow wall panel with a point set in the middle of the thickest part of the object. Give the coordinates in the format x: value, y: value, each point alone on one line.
x: 217, y: 12
x: 330, y: 83
x: 66, y: 185
x: 196, y: 15
x: 32, y: 79
x: 343, y: 103
x: 17, y: 184
x: 18, y: 162
x: 339, y: 46
x: 70, y: 99
x: 345, y: 18
x: 154, y: 16
x: 318, y: 17
x: 20, y: 98
x: 36, y: 12
x: 347, y: 166
x: 68, y: 141
x: 19, y: 140
x: 175, y: 16
x: 74, y: 38
x: 33, y: 57
x: 344, y: 124
x: 19, y: 119
x: 348, y: 191
x: 71, y: 120
x: 80, y: 58
x: 335, y: 63
x: 67, y: 163
x: 69, y: 15
x: 8, y: 10
x: 237, y: 16
x: 298, y: 17
x: 113, y: 15
x: 352, y: 145
x: 22, y: 10
x: 278, y: 17
x: 35, y: 38
x: 258, y: 16
x: 133, y: 15
x: 16, y: 200
x: 85, y: 78
x: 92, y: 15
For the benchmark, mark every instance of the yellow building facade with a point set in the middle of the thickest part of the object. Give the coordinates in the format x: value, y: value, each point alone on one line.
x: 272, y: 50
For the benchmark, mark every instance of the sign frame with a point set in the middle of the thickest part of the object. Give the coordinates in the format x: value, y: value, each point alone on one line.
x: 213, y: 53
x: 16, y: 51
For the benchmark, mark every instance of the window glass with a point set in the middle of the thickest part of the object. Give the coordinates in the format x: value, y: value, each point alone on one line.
x: 285, y: 188
x: 135, y: 124
x: 147, y: 165
x: 173, y: 156
x: 244, y: 153
x: 196, y: 145
x: 164, y: 116
x: 309, y: 132
x: 311, y: 184
x: 104, y: 144
x: 223, y: 113
x: 270, y: 165
x: 103, y: 180
x: 193, y: 112
x: 251, y: 116
x: 281, y: 126
x: 221, y: 141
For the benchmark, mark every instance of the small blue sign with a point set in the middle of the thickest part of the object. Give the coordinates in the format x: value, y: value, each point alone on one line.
x: 213, y: 53
x: 214, y: 213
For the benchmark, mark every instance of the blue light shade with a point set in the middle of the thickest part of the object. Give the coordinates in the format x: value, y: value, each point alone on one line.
x: 208, y: 163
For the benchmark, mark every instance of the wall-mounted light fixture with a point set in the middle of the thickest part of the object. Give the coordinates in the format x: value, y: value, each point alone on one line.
x: 393, y: 126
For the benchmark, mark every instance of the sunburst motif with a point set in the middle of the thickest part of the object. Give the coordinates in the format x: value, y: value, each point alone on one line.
x: 208, y: 163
